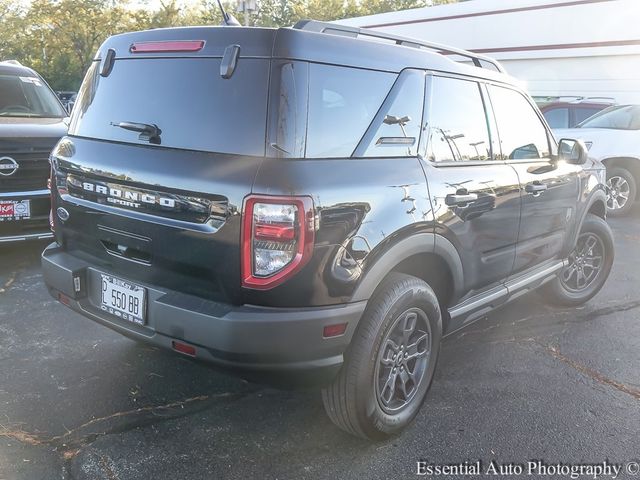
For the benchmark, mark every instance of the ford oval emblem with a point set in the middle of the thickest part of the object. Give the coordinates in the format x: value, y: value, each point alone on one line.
x: 63, y: 214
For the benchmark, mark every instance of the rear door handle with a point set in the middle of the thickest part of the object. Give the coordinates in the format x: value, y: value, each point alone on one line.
x: 535, y: 188
x: 460, y: 199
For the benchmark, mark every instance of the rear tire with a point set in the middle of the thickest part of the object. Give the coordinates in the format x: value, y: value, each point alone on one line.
x: 589, y: 266
x: 390, y: 363
x: 621, y: 191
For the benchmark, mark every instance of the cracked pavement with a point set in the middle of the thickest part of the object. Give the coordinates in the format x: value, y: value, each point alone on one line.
x: 78, y: 401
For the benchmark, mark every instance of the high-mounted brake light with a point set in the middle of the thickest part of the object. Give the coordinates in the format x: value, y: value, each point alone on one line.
x: 168, y: 46
x: 277, y: 239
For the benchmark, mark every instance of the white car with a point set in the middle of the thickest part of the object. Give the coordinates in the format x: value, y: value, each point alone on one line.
x: 613, y: 137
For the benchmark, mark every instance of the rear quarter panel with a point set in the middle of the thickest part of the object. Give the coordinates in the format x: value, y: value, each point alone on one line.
x: 362, y: 205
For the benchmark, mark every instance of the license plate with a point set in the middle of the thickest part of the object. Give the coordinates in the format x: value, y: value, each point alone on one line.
x: 15, y: 210
x: 123, y: 299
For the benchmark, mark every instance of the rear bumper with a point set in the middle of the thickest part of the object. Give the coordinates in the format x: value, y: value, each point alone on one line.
x: 279, y: 346
x: 35, y: 228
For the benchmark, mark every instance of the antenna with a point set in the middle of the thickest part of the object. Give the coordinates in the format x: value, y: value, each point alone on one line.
x: 228, y: 19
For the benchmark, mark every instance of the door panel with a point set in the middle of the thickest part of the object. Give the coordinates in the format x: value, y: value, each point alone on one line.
x: 476, y: 199
x: 548, y: 188
x: 484, y: 230
x: 549, y: 195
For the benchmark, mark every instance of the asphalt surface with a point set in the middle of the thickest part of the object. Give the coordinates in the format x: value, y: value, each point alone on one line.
x: 78, y: 401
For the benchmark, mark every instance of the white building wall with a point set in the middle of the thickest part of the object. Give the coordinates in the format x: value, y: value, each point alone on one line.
x: 612, y: 76
x: 556, y: 47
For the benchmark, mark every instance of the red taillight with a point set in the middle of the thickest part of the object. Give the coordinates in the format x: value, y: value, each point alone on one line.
x: 168, y: 46
x: 184, y: 348
x: 274, y: 232
x: 277, y: 239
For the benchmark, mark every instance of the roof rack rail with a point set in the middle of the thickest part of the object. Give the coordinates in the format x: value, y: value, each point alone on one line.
x: 355, y: 32
x: 598, y: 99
x: 577, y: 99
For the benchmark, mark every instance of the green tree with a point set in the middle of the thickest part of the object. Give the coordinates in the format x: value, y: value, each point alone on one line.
x: 59, y: 38
x: 171, y: 14
x: 280, y: 13
x: 276, y: 13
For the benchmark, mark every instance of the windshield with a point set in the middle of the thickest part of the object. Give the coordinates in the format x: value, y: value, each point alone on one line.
x: 621, y: 117
x: 27, y: 96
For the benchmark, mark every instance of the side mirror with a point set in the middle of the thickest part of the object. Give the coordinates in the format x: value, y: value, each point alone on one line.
x: 572, y: 151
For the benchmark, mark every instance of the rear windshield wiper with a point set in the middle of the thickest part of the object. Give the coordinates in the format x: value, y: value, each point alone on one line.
x: 148, y: 132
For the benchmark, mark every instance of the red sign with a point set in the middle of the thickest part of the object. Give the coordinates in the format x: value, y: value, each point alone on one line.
x: 7, y: 210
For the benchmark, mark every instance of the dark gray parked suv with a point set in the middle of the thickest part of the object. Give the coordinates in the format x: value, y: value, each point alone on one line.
x: 304, y: 205
x: 32, y: 120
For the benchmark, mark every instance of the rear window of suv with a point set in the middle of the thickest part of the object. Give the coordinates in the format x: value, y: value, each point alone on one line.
x: 26, y: 95
x: 318, y: 111
x: 186, y: 98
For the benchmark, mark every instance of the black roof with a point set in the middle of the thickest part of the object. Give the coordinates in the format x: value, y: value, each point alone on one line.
x: 305, y: 44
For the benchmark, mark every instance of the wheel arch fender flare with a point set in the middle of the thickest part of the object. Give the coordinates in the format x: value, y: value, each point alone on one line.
x: 421, y: 243
x: 621, y: 160
x: 596, y: 196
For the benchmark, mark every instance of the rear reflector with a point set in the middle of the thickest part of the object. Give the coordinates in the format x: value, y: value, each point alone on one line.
x: 172, y: 46
x: 183, y: 348
x: 62, y: 298
x: 334, y: 330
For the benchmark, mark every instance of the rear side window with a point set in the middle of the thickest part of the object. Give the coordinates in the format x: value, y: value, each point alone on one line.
x: 582, y: 113
x: 522, y: 134
x: 186, y: 98
x: 399, y: 123
x: 623, y: 117
x: 342, y: 104
x: 457, y: 122
x: 557, y: 117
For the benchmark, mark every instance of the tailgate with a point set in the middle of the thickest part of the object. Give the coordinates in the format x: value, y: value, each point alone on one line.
x: 160, y: 216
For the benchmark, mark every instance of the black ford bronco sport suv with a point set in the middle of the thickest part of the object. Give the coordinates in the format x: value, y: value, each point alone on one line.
x: 317, y: 204
x: 32, y: 120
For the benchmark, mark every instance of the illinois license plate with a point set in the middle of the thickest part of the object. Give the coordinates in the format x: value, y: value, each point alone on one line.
x: 15, y: 210
x: 123, y: 299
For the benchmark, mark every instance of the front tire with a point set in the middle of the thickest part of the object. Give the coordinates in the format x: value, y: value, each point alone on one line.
x: 390, y: 364
x: 621, y: 191
x: 589, y: 266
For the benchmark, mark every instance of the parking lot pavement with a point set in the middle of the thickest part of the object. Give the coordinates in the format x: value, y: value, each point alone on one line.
x: 78, y: 401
